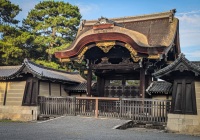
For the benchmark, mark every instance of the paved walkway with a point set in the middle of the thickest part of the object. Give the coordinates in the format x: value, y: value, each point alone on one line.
x: 81, y: 128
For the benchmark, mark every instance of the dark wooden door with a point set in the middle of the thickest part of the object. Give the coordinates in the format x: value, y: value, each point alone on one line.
x: 184, y: 100
x: 30, y: 93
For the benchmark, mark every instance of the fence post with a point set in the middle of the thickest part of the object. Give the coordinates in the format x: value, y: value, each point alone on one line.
x: 96, y: 107
x: 74, y: 106
x: 120, y: 108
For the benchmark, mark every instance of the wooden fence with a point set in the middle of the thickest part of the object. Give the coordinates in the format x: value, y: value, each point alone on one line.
x: 139, y: 110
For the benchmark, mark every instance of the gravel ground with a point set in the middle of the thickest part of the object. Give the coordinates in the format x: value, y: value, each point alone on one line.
x: 81, y: 128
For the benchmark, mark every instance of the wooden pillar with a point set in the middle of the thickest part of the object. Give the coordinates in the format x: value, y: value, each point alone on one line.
x: 89, y: 80
x: 100, y: 86
x: 142, y: 82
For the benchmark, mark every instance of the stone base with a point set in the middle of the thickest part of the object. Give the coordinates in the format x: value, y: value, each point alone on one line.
x: 187, y: 124
x: 19, y: 113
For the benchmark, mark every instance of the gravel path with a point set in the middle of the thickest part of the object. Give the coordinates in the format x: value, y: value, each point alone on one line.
x: 81, y: 128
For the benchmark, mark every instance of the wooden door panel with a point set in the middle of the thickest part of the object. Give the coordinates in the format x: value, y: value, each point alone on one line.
x: 183, y: 101
x: 31, y: 92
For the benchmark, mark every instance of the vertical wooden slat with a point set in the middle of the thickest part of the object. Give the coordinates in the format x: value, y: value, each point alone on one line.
x: 5, y: 94
x: 139, y: 110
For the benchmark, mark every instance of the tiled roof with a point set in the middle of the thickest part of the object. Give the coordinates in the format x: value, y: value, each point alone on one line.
x: 41, y: 72
x: 149, y: 32
x: 159, y: 28
x: 180, y: 64
x: 159, y: 87
x: 9, y: 71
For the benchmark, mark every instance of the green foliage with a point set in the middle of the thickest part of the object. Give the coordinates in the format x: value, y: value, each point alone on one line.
x: 49, y: 27
x: 8, y: 12
x: 135, y: 83
x: 10, y: 44
x: 48, y: 64
x: 54, y: 25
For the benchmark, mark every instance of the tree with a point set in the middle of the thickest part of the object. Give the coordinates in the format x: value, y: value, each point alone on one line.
x: 9, y: 49
x: 8, y: 12
x: 54, y: 25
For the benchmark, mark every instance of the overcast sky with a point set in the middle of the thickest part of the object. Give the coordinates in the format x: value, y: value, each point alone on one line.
x: 188, y: 12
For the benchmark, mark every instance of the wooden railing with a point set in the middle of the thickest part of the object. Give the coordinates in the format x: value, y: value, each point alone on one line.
x: 97, y: 106
x: 56, y: 106
x: 139, y: 110
x: 145, y: 110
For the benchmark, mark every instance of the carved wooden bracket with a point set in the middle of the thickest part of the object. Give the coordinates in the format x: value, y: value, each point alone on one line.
x: 105, y: 46
x: 81, y: 55
x: 133, y: 53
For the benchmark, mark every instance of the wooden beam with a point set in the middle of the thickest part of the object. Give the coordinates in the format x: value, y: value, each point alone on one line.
x: 114, y: 66
x: 99, y: 86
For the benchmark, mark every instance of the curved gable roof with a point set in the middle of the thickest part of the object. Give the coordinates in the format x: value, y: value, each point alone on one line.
x: 145, y: 32
x: 180, y: 64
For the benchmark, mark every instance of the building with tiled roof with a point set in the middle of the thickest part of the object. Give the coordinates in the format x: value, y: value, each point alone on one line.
x: 21, y: 85
x: 125, y: 48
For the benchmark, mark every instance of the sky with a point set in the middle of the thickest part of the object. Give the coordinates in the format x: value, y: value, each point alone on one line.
x: 188, y: 13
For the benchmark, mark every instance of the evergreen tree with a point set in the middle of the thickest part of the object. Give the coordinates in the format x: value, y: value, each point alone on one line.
x: 9, y: 50
x: 54, y: 25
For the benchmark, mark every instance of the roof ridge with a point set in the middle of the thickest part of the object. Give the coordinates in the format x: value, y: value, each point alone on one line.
x: 26, y: 63
x: 139, y: 17
x: 48, y: 68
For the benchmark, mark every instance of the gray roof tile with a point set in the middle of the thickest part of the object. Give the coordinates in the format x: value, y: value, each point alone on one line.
x: 7, y: 71
x: 41, y: 72
x: 159, y: 87
x: 180, y: 64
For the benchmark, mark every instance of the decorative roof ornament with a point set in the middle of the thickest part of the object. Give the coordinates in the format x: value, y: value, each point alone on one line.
x: 171, y: 17
x: 105, y: 46
x: 81, y: 55
x: 104, y: 20
x: 133, y: 53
